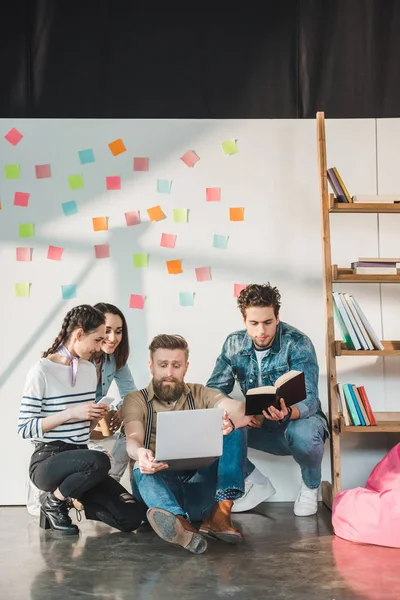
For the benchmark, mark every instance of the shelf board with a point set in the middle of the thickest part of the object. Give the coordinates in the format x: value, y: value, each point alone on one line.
x: 345, y: 275
x: 392, y: 348
x: 358, y: 207
x: 386, y: 423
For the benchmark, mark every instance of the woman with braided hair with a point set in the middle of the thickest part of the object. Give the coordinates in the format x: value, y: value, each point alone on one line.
x: 58, y: 412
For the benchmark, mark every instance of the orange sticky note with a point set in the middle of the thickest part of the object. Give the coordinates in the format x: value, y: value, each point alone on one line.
x: 54, y: 253
x: 117, y: 147
x: 100, y: 223
x: 236, y: 214
x: 174, y: 267
x: 155, y: 213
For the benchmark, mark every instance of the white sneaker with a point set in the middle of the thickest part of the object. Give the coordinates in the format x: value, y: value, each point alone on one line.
x: 254, y: 494
x: 306, y: 502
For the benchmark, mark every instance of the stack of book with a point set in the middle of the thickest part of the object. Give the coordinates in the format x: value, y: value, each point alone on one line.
x: 354, y: 405
x: 354, y: 327
x: 376, y: 266
x: 337, y: 185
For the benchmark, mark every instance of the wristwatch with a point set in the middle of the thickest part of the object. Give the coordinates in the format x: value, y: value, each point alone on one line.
x: 286, y: 417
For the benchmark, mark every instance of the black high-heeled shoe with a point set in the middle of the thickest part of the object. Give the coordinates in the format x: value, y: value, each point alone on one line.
x: 54, y: 515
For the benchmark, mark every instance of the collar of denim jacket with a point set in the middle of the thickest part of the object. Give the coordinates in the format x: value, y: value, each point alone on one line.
x: 248, y: 347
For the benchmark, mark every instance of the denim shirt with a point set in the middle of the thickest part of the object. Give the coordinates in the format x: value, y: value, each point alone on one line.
x: 290, y: 350
x: 123, y: 379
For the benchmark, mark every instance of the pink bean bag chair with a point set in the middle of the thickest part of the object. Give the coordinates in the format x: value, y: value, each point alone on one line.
x: 371, y: 515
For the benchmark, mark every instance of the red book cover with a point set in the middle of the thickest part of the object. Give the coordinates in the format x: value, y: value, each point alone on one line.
x: 367, y: 406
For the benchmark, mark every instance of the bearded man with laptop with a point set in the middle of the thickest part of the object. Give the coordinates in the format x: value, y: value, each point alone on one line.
x: 186, y: 490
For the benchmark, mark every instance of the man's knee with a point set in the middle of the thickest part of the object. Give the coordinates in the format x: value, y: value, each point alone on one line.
x: 306, y: 435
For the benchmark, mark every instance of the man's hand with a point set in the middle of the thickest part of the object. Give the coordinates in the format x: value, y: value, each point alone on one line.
x: 116, y: 421
x: 273, y: 414
x: 256, y: 422
x: 147, y: 463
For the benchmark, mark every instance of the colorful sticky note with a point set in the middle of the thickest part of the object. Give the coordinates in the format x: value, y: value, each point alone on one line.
x: 140, y: 163
x: 168, y: 240
x: 220, y: 241
x: 180, y: 215
x: 238, y: 287
x: 100, y: 223
x: 55, y: 253
x: 186, y: 298
x: 113, y: 182
x: 86, y: 156
x: 190, y: 158
x: 174, y: 267
x: 132, y: 218
x: 69, y: 208
x: 21, y: 199
x: 136, y: 301
x: 213, y: 194
x: 14, y: 136
x: 12, y: 171
x: 75, y: 182
x: 43, y: 171
x: 102, y: 251
x: 22, y: 290
x: 203, y: 274
x: 229, y: 147
x: 117, y: 147
x: 26, y: 230
x: 140, y: 261
x: 24, y: 254
x: 68, y: 291
x: 164, y: 186
x: 155, y: 213
x: 236, y: 214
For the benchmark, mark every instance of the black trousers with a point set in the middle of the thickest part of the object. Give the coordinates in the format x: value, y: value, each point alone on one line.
x: 83, y: 474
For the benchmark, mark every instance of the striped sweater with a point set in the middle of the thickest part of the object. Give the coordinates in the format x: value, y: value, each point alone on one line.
x: 47, y: 391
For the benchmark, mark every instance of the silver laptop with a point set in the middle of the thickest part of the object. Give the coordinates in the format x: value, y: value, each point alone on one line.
x: 189, y: 439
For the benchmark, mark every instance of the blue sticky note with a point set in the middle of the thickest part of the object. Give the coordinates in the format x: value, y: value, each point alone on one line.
x: 69, y: 208
x: 186, y: 298
x: 164, y: 186
x: 220, y: 241
x: 68, y: 291
x: 86, y: 156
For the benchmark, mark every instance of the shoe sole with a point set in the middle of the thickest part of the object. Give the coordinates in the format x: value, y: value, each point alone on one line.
x: 168, y: 527
x: 229, y: 538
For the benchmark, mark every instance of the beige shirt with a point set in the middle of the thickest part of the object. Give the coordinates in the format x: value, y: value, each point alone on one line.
x: 135, y: 409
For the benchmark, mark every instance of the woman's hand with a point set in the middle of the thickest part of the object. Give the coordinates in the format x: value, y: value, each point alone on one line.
x: 226, y: 424
x: 87, y: 411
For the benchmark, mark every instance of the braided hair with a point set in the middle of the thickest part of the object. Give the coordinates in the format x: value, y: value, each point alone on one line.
x: 85, y: 316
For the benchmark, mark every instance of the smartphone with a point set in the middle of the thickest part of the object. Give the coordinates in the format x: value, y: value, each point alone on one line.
x: 106, y: 400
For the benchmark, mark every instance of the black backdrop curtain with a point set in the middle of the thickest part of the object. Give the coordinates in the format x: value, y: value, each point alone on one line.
x: 132, y: 59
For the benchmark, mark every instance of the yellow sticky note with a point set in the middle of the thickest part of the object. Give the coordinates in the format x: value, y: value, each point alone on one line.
x: 236, y: 214
x: 229, y: 147
x: 180, y: 215
x: 174, y: 267
x: 22, y: 290
x: 155, y: 213
x: 100, y: 223
x: 140, y: 261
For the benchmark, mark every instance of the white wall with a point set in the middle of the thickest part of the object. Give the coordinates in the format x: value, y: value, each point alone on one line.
x: 273, y: 176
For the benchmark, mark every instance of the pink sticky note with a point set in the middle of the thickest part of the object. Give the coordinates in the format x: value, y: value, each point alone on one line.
x: 213, y: 194
x: 14, y: 136
x: 136, y: 301
x: 168, y: 240
x: 132, y: 218
x: 238, y: 287
x: 42, y: 171
x: 203, y: 274
x: 190, y: 158
x: 23, y: 254
x: 113, y: 182
x: 102, y: 250
x: 21, y: 199
x: 140, y: 163
x: 54, y: 253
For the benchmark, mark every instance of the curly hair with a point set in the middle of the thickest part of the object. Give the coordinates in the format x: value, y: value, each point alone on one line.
x: 169, y: 342
x: 259, y: 295
x: 85, y: 316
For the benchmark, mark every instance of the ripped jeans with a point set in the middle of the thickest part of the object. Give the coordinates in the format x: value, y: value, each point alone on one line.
x: 193, y: 493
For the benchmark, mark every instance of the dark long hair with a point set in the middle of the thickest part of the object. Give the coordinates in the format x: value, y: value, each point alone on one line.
x: 85, y: 316
x: 121, y: 353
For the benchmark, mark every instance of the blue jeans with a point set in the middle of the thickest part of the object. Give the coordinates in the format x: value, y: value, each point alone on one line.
x: 193, y: 493
x: 303, y: 439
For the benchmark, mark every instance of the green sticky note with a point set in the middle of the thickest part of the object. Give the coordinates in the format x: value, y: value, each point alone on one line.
x: 26, y: 230
x: 22, y: 290
x: 68, y: 292
x: 12, y: 171
x: 140, y: 261
x: 75, y: 182
x: 230, y: 147
x: 186, y: 298
x: 220, y: 241
x: 180, y: 215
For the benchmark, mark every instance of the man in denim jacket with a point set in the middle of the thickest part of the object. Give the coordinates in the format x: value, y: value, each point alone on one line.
x: 257, y: 356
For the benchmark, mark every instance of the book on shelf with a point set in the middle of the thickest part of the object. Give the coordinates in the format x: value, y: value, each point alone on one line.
x: 377, y: 270
x: 335, y: 185
x: 375, y: 265
x: 346, y: 324
x: 354, y: 327
x: 344, y: 188
x: 354, y: 405
x: 391, y: 261
x: 291, y: 387
x: 371, y: 199
x: 367, y: 406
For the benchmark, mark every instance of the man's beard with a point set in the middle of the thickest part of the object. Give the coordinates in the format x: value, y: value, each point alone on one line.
x: 171, y: 392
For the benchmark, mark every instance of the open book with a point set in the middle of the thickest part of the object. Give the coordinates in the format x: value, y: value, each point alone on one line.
x: 291, y: 387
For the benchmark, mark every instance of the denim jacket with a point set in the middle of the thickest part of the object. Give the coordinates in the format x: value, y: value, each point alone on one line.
x: 123, y: 379
x: 291, y: 349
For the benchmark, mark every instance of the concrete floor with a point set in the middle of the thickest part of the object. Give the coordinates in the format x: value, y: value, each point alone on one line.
x: 282, y: 557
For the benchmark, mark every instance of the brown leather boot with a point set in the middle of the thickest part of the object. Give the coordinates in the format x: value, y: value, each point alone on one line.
x: 176, y: 530
x: 218, y: 524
